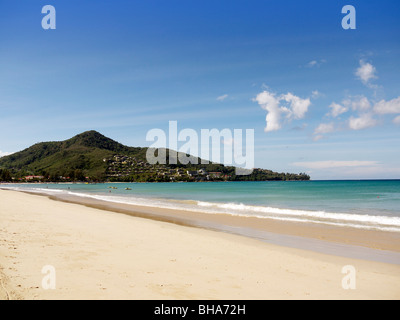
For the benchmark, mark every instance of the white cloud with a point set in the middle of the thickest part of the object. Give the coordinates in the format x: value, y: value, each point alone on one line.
x: 366, y: 72
x: 361, y: 112
x: 268, y: 101
x: 337, y: 109
x: 296, y: 108
x: 312, y: 63
x: 385, y: 107
x: 324, y: 128
x: 222, y: 98
x: 334, y: 164
x: 366, y: 112
x: 349, y: 170
x: 316, y: 94
x: 299, y: 106
x: 318, y: 137
x: 315, y: 63
x: 362, y: 122
x: 3, y: 154
x: 359, y: 103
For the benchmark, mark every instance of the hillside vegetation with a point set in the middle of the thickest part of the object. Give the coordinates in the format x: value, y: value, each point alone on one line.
x: 90, y: 156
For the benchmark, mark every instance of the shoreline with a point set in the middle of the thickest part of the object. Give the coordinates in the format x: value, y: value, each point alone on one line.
x: 374, y: 245
x: 102, y: 255
x: 345, y: 241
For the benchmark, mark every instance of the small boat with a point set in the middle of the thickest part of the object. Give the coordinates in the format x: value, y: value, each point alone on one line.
x: 128, y: 189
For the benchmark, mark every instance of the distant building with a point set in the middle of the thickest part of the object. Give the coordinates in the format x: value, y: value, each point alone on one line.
x: 215, y: 174
x: 33, y: 177
x: 192, y: 173
x: 202, y: 172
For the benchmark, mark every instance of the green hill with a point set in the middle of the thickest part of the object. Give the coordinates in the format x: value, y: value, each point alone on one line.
x: 84, y: 152
x: 92, y: 155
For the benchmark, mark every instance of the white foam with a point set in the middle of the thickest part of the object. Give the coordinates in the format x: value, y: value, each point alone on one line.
x: 333, y: 218
x: 35, y: 190
x: 375, y: 222
x: 383, y: 223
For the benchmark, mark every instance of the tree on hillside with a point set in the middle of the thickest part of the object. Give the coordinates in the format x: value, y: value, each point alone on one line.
x: 5, y: 175
x: 78, y: 175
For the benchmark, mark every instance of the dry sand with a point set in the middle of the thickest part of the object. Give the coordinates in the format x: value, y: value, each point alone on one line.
x: 98, y: 254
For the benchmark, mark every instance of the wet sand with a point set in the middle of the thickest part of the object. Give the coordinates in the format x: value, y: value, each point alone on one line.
x: 262, y: 229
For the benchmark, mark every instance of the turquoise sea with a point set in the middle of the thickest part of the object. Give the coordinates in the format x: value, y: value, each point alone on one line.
x: 367, y: 204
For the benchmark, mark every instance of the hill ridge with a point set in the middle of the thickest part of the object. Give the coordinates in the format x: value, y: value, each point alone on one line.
x: 95, y: 157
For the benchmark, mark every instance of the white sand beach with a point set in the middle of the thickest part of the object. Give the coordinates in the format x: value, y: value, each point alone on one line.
x: 98, y: 254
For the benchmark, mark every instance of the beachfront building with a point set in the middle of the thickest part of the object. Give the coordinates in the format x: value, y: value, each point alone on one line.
x: 192, y: 173
x: 27, y: 178
x: 215, y: 174
x: 203, y: 172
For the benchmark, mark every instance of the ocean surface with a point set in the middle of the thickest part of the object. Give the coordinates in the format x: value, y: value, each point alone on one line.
x: 366, y: 204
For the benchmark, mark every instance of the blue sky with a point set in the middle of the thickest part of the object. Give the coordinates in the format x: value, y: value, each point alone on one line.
x: 321, y: 99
